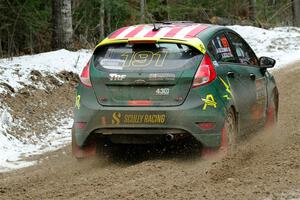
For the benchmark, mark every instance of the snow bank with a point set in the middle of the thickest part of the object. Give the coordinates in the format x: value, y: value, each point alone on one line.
x: 16, y: 71
x: 14, y: 150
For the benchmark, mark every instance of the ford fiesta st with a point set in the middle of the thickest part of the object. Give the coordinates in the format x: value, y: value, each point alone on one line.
x: 155, y: 83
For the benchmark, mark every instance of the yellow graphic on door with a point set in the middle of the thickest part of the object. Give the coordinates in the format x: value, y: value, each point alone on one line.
x: 228, y: 90
x: 209, y: 101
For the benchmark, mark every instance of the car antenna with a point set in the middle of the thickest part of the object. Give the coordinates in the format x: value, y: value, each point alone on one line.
x: 155, y: 28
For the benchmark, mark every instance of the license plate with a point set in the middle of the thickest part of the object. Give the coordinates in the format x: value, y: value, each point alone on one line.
x: 138, y: 118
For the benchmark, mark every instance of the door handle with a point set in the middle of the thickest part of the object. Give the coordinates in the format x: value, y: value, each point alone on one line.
x: 252, y: 76
x: 230, y: 74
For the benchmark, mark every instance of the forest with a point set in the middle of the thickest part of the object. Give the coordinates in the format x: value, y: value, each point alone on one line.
x: 34, y: 26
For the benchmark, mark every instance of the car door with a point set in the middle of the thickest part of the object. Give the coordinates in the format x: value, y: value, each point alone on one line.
x: 232, y: 77
x: 252, y: 79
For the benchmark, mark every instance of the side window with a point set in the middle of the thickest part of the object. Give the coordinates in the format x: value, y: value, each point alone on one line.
x: 219, y: 47
x: 243, y: 51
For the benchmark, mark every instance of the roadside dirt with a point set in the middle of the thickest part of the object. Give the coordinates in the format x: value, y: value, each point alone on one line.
x: 266, y: 167
x: 39, y: 110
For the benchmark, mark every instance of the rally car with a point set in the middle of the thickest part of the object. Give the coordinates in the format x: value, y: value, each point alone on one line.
x: 155, y: 83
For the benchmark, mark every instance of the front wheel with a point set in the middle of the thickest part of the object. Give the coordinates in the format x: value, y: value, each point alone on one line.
x: 271, y: 115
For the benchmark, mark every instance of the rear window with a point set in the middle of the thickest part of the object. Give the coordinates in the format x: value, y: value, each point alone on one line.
x: 143, y: 57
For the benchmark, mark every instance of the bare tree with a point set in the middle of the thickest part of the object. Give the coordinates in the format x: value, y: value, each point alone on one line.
x: 296, y: 12
x: 252, y: 10
x: 142, y: 10
x: 108, y: 16
x: 102, y: 15
x: 62, y: 24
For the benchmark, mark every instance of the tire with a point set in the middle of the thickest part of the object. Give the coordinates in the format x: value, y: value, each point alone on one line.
x: 272, y: 111
x: 229, y: 132
x: 228, y: 137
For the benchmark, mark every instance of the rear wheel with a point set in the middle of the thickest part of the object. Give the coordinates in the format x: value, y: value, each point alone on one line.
x: 229, y: 132
x: 228, y: 136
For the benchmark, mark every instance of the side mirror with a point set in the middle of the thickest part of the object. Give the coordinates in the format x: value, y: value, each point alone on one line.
x: 266, y: 62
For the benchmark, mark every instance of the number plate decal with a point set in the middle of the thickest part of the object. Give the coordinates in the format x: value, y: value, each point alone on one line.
x: 162, y: 91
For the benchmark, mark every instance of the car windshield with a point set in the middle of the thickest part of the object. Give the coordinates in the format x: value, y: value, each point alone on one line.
x: 143, y: 57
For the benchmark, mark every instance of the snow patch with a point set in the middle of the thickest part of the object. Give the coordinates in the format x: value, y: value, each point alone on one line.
x: 13, y: 151
x: 15, y: 71
x: 281, y: 43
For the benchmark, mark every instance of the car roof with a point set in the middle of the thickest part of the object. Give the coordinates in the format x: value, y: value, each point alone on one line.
x: 189, y: 33
x: 171, y: 30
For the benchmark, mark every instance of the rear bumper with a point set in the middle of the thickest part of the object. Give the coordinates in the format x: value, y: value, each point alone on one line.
x: 183, y: 119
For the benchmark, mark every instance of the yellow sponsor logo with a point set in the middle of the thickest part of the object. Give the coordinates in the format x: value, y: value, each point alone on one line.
x: 228, y: 90
x: 77, y: 102
x: 209, y: 101
x: 118, y: 118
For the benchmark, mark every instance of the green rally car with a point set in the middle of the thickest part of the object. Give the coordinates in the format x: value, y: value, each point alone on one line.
x: 156, y: 83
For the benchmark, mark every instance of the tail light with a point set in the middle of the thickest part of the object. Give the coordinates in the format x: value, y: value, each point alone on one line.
x: 206, y: 125
x: 206, y: 72
x: 80, y: 125
x: 85, y: 76
x: 139, y: 103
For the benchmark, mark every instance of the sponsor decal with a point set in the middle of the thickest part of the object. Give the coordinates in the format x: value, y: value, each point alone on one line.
x: 209, y: 101
x: 223, y: 50
x: 224, y: 41
x: 216, y: 64
x: 138, y: 118
x: 77, y: 102
x: 111, y: 62
x: 117, y: 77
x: 116, y: 116
x: 228, y: 90
x: 162, y: 77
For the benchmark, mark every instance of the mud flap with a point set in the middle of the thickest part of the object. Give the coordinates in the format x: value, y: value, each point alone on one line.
x: 86, y: 151
x: 270, y: 122
x: 208, y: 153
x: 272, y: 112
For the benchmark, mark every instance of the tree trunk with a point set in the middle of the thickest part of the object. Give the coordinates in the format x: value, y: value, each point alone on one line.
x: 271, y: 2
x: 102, y: 15
x: 108, y: 8
x: 296, y: 12
x: 62, y: 24
x: 142, y: 10
x: 252, y: 10
x: 1, y: 51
